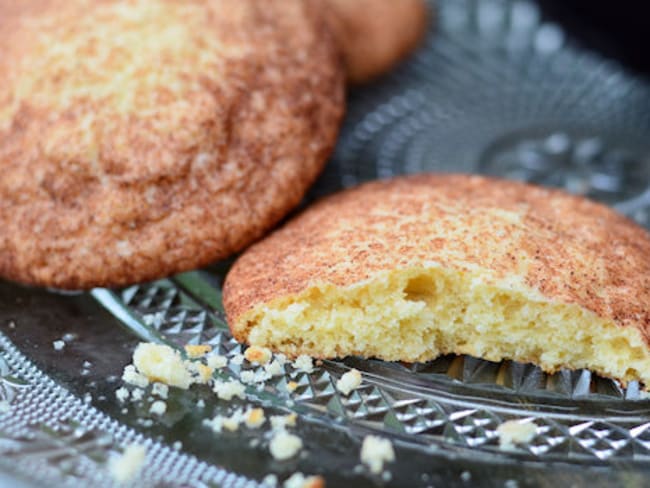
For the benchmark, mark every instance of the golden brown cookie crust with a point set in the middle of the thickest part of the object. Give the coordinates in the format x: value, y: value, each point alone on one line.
x: 374, y: 35
x: 143, y: 138
x: 566, y: 248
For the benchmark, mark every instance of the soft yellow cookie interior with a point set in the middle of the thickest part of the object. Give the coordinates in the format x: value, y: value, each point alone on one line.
x: 417, y: 314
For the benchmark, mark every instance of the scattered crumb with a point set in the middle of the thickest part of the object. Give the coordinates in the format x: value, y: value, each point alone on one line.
x: 137, y: 394
x: 298, y: 480
x: 465, y: 476
x: 349, y: 381
x: 5, y: 406
x: 291, y: 386
x: 514, y: 432
x: 252, y: 377
x: 215, y: 361
x: 12, y: 325
x: 226, y: 390
x: 511, y: 484
x: 220, y: 422
x: 200, y: 403
x: 87, y: 365
x: 160, y: 389
x: 215, y: 423
x: 125, y: 410
x: 230, y: 423
x: 270, y: 480
x: 375, y: 451
x: 284, y: 445
x: 281, y: 422
x: 158, y: 407
x: 197, y: 350
x: 58, y: 345
x: 177, y: 446
x: 204, y: 373
x: 132, y: 377
x: 124, y: 467
x: 161, y: 363
x: 274, y: 368
x: 258, y: 355
x: 68, y: 337
x: 304, y: 363
x: 122, y: 394
x: 254, y: 418
x: 88, y: 398
x: 386, y: 476
x: 254, y: 442
x: 247, y: 377
x: 237, y: 359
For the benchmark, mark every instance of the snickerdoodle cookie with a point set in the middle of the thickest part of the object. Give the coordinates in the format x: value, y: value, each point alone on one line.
x: 416, y: 267
x: 142, y: 138
x: 376, y: 34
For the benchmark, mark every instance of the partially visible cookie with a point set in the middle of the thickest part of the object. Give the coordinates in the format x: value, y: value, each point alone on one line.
x: 415, y: 267
x: 143, y: 138
x: 376, y: 34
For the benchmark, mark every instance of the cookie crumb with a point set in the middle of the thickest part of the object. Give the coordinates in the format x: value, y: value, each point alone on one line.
x: 124, y: 467
x: 216, y: 361
x: 284, y: 446
x: 291, y: 386
x: 69, y: 337
x: 237, y: 359
x: 197, y: 350
x: 158, y: 407
x: 161, y: 363
x: 231, y: 423
x: 258, y: 355
x: 514, y: 432
x: 204, y: 373
x: 122, y: 394
x: 137, y: 394
x: 299, y: 480
x: 349, y: 381
x: 160, y: 389
x: 304, y: 363
x: 58, y: 345
x: 254, y: 418
x: 274, y: 368
x: 375, y: 451
x: 281, y: 422
x: 226, y: 390
x: 132, y: 377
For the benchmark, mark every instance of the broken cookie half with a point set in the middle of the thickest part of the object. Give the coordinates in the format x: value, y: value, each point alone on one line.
x: 415, y: 267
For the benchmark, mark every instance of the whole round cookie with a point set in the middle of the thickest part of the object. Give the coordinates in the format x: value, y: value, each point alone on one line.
x: 376, y: 34
x: 140, y: 138
x: 416, y: 267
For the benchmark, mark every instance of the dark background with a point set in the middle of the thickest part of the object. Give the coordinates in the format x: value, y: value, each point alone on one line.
x: 618, y: 29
